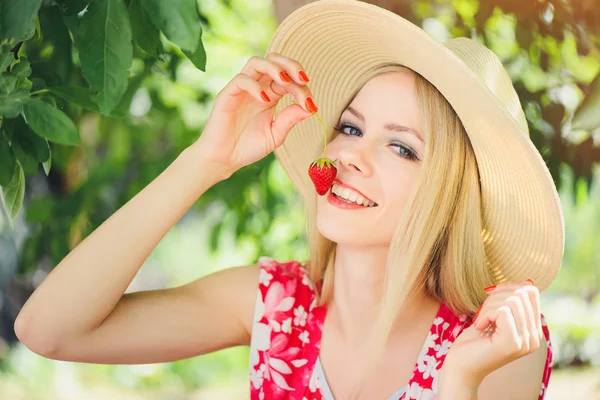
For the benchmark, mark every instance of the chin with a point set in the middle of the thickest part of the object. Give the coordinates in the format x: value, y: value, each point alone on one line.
x: 339, y: 231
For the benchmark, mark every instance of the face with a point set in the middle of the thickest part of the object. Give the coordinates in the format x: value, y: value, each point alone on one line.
x: 379, y: 147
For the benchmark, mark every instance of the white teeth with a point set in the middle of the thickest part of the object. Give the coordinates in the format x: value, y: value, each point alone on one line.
x: 351, y: 195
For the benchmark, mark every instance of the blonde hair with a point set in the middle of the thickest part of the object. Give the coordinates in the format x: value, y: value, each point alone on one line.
x: 437, y: 245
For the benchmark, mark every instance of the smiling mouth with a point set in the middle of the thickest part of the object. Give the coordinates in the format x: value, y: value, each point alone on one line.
x: 352, y: 202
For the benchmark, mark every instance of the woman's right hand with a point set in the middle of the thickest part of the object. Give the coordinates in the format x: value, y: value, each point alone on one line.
x: 240, y: 129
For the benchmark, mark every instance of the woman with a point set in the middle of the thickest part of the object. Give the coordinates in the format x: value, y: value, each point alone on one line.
x: 426, y: 290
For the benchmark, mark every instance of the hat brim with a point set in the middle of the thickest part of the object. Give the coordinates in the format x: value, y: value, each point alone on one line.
x: 337, y: 41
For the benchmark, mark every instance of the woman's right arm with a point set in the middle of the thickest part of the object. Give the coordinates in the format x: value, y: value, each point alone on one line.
x: 80, y: 311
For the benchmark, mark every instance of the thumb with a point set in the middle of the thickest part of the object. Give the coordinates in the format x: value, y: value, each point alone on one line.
x: 285, y: 121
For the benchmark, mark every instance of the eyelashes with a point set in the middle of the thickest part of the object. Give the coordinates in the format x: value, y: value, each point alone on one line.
x: 406, y: 151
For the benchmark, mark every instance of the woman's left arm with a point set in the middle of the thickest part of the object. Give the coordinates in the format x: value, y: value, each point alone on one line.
x: 520, y: 379
x: 502, y: 354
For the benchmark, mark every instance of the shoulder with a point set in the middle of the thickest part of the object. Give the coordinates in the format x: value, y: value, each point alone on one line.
x: 284, y: 291
x: 291, y: 275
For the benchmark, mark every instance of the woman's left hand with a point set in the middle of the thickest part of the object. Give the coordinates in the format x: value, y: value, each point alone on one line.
x: 508, y: 327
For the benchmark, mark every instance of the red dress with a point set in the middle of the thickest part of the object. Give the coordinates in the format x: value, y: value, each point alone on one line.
x: 286, y: 339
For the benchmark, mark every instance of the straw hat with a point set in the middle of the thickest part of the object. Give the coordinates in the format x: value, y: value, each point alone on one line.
x: 339, y: 41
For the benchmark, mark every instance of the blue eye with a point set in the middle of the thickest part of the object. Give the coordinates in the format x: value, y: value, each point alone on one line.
x: 404, y: 152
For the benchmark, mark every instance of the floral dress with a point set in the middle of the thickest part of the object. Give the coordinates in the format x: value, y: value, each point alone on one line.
x: 286, y: 338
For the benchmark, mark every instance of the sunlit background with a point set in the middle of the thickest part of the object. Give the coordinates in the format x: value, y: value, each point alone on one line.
x: 552, y: 56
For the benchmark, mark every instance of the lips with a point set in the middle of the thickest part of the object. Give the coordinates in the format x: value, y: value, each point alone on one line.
x: 337, y: 181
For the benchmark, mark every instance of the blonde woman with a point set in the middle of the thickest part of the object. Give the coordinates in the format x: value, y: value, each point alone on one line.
x: 427, y: 254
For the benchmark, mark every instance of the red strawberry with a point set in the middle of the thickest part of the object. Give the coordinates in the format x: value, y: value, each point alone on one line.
x: 322, y: 172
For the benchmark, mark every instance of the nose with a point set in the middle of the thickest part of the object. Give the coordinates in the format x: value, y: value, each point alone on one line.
x: 356, y: 159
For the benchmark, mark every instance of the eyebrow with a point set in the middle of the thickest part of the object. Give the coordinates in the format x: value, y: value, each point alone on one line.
x: 388, y: 126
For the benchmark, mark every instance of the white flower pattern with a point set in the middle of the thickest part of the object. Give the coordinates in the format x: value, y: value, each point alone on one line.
x: 300, y: 315
x: 287, y: 332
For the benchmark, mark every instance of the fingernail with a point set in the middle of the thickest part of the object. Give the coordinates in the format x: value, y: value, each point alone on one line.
x: 264, y: 96
x: 530, y: 281
x: 310, y: 105
x: 488, y: 289
x: 303, y: 76
x: 477, y: 313
x: 284, y: 76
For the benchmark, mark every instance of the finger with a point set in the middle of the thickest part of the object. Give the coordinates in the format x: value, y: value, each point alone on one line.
x: 518, y: 312
x: 532, y: 338
x: 483, y: 319
x: 300, y: 93
x: 242, y: 83
x: 507, y: 329
x: 534, y: 298
x: 285, y: 121
x: 257, y: 67
x: 294, y: 69
x: 504, y: 287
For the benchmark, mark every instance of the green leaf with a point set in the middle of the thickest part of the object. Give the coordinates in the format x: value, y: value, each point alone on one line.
x: 49, y: 99
x: 47, y: 164
x: 44, y: 71
x: 81, y: 96
x: 7, y: 160
x: 11, y: 97
x: 72, y: 23
x: 17, y: 20
x: 50, y: 123
x: 56, y: 32
x: 107, y: 51
x: 587, y: 115
x: 72, y: 7
x: 198, y: 57
x: 37, y: 84
x: 14, y: 193
x: 34, y: 145
x: 177, y: 19
x: 8, y: 82
x: 26, y: 159
x: 77, y: 95
x: 22, y: 69
x: 145, y: 34
x: 6, y: 57
x: 123, y: 108
x: 25, y: 84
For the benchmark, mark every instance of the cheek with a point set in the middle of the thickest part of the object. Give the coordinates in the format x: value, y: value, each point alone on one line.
x: 333, y: 146
x: 397, y: 188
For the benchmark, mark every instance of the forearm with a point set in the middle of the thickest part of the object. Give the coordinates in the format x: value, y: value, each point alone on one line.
x: 85, y: 286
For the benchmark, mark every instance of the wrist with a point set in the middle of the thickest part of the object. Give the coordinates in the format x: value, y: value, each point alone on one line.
x: 456, y: 386
x: 202, y: 165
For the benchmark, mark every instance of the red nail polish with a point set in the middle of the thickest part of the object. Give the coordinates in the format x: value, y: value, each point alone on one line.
x: 284, y: 76
x: 477, y: 313
x: 264, y: 96
x: 488, y: 289
x: 310, y: 105
x: 531, y: 281
x: 303, y: 76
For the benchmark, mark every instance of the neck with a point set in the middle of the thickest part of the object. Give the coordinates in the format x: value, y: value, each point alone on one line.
x: 358, y: 290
